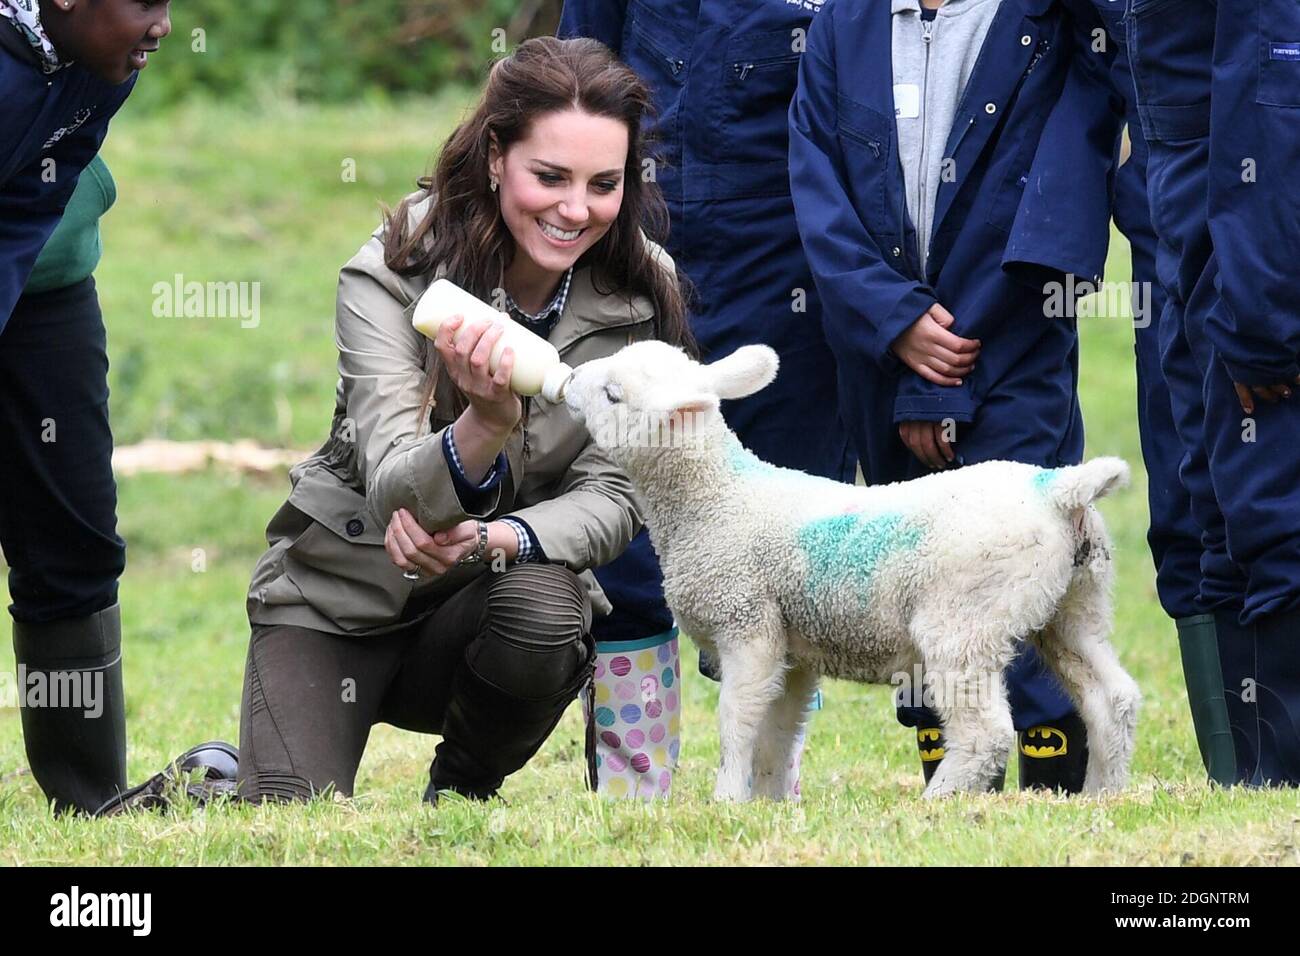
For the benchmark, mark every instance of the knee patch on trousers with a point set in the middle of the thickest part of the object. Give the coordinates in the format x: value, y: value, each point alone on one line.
x: 532, y: 639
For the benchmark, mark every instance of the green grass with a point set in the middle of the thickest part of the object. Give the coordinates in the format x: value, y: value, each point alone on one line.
x: 222, y: 195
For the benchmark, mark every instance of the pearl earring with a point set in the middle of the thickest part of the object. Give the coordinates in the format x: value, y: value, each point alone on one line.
x: 492, y: 184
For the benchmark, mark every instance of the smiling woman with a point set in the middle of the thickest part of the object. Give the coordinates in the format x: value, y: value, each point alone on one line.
x: 431, y: 568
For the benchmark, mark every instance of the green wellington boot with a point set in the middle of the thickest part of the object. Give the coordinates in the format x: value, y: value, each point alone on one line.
x: 1199, y: 644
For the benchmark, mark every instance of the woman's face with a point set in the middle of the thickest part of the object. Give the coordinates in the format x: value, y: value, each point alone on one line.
x: 111, y: 38
x: 561, y: 188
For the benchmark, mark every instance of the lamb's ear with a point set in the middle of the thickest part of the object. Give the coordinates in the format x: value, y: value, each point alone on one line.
x: 684, y: 404
x: 700, y: 403
x: 743, y: 372
x: 689, y: 415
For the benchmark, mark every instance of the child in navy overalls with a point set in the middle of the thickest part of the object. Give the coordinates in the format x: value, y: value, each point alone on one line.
x: 952, y: 174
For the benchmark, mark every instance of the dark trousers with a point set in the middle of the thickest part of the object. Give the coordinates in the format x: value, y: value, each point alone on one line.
x: 58, y: 500
x: 1174, y: 536
x: 310, y: 698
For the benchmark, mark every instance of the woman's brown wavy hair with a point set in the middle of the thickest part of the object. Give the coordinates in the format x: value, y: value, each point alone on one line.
x: 463, y: 228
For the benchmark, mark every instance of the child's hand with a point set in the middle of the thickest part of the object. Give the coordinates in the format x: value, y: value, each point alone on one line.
x: 934, y: 353
x: 1270, y: 393
x: 926, y: 441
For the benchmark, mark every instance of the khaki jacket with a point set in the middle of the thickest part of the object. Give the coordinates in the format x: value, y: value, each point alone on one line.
x: 326, y: 567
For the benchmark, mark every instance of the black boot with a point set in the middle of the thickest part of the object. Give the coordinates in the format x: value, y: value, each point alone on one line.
x: 1240, y: 692
x: 73, y: 711
x: 1277, y: 673
x: 930, y: 746
x: 488, y: 734
x: 1199, y: 645
x: 1054, y: 756
x: 219, y: 762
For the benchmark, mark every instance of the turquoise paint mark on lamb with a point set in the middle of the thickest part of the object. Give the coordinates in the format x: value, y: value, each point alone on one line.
x: 744, y: 462
x: 1044, y: 478
x: 847, y: 550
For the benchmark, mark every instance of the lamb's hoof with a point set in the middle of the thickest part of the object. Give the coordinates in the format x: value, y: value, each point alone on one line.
x: 723, y: 794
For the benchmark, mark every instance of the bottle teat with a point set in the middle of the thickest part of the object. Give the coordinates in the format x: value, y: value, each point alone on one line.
x: 555, y: 381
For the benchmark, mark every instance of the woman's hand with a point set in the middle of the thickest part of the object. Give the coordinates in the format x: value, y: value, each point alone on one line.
x: 927, y: 442
x: 934, y: 353
x: 491, y: 401
x: 412, y: 548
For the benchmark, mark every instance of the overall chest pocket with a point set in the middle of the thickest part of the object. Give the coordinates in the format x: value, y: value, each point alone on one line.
x: 659, y: 56
x: 760, y: 71
x: 864, y: 135
x: 1279, y: 59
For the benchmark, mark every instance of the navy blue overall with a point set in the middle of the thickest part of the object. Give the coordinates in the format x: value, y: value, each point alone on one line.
x: 1032, y: 148
x: 722, y: 73
x: 1218, y: 91
x: 50, y: 128
x: 1174, y: 537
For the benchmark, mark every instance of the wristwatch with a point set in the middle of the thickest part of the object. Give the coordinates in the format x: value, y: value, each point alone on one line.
x: 476, y: 556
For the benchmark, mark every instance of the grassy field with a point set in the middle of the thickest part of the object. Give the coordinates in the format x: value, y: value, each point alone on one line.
x: 216, y: 195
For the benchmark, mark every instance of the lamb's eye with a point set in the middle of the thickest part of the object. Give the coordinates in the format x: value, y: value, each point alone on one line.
x: 614, y: 394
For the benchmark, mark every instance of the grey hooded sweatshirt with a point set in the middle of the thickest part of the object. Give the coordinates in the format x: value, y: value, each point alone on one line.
x: 933, y: 60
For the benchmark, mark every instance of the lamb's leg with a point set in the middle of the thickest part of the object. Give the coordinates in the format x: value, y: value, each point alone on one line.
x: 1076, y: 647
x: 753, y: 678
x: 773, y: 764
x: 977, y: 728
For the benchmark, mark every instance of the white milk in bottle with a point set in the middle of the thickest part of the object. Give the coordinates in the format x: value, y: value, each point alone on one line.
x: 538, y: 369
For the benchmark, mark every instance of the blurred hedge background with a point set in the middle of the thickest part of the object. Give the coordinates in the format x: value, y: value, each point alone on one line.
x: 336, y: 50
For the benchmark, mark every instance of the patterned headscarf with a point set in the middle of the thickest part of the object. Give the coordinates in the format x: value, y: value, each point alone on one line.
x: 26, y: 18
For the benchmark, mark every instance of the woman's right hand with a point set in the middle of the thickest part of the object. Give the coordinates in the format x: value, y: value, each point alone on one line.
x: 934, y: 353
x: 492, y: 402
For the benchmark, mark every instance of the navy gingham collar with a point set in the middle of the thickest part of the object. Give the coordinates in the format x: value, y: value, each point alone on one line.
x: 547, y: 317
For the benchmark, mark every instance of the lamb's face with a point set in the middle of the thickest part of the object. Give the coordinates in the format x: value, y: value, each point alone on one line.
x: 652, y: 395
x: 629, y: 398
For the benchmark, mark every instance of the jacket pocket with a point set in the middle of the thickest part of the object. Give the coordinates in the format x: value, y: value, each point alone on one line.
x: 865, y: 144
x: 339, y: 563
x: 1279, y: 59
x: 1166, y: 42
x: 760, y: 72
x: 1011, y: 169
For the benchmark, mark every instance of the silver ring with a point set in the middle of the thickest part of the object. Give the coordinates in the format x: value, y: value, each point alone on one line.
x: 411, y: 575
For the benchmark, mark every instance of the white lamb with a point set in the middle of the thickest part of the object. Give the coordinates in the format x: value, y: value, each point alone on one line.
x: 787, y: 577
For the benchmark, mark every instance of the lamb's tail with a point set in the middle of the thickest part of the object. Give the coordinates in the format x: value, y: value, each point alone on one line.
x: 1078, y: 486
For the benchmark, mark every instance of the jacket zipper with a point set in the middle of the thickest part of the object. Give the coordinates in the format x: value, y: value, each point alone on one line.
x: 923, y: 223
x: 675, y: 64
x: 742, y: 69
x: 526, y: 452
